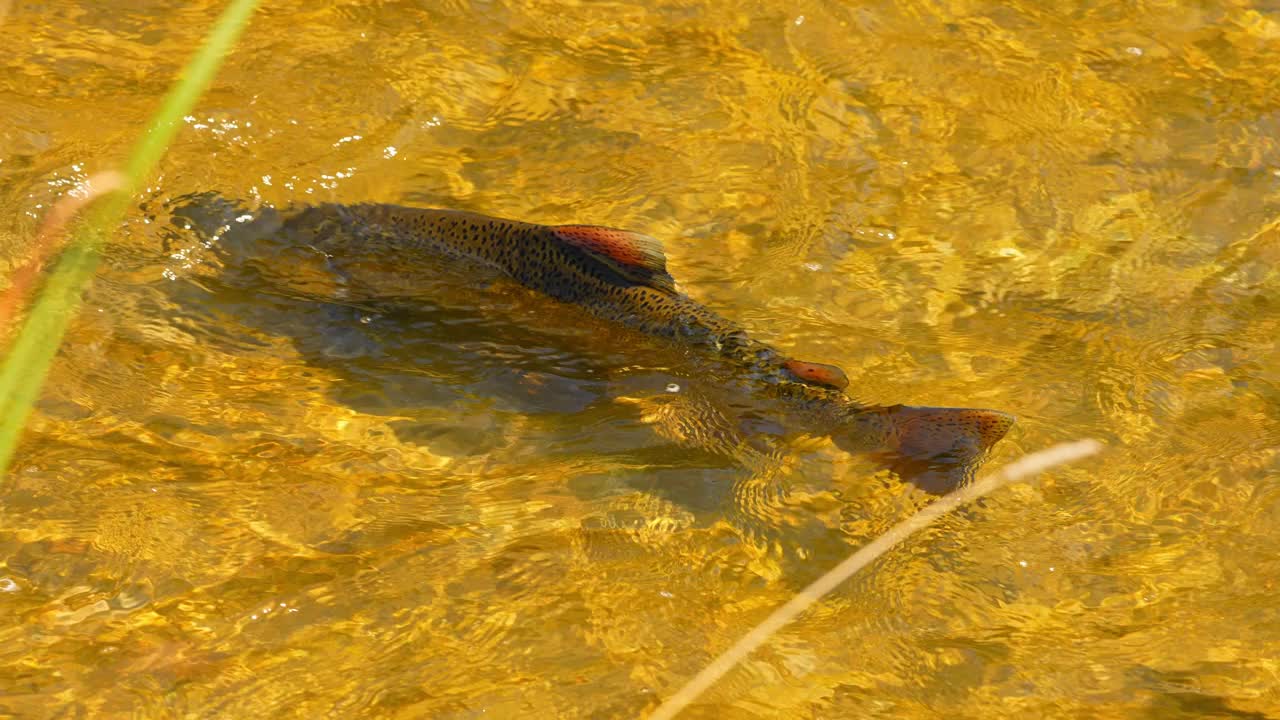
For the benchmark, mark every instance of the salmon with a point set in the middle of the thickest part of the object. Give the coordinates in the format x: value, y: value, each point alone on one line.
x: 620, y: 277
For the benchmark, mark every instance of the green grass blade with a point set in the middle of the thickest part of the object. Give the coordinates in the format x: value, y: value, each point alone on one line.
x: 24, y: 369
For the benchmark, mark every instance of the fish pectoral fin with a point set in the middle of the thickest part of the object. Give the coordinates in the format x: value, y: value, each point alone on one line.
x: 634, y: 256
x: 817, y: 374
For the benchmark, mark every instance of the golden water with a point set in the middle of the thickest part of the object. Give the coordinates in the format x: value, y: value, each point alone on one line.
x: 248, y: 506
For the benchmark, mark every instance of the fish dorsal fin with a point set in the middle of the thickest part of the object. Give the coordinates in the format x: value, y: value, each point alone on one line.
x: 817, y: 374
x: 634, y: 256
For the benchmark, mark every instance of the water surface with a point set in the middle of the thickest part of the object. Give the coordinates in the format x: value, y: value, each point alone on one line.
x: 236, y: 504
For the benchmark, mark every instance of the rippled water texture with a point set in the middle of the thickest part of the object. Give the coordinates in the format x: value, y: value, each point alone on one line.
x: 240, y: 504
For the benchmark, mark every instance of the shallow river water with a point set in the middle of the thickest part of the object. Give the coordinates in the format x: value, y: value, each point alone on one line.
x: 241, y: 504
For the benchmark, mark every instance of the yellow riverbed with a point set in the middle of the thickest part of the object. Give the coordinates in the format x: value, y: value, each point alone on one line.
x: 247, y: 506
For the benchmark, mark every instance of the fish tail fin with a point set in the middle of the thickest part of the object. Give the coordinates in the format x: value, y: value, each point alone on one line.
x: 934, y: 432
x: 937, y: 449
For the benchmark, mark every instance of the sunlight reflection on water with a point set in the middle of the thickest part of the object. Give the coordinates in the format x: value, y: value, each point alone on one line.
x: 1071, y: 212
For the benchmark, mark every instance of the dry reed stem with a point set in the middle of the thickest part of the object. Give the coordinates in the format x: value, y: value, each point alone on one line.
x: 49, y: 240
x: 1021, y: 468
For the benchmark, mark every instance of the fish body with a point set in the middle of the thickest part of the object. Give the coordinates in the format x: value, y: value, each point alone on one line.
x: 621, y: 277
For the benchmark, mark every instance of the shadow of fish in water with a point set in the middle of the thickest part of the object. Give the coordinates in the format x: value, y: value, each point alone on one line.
x: 476, y: 290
